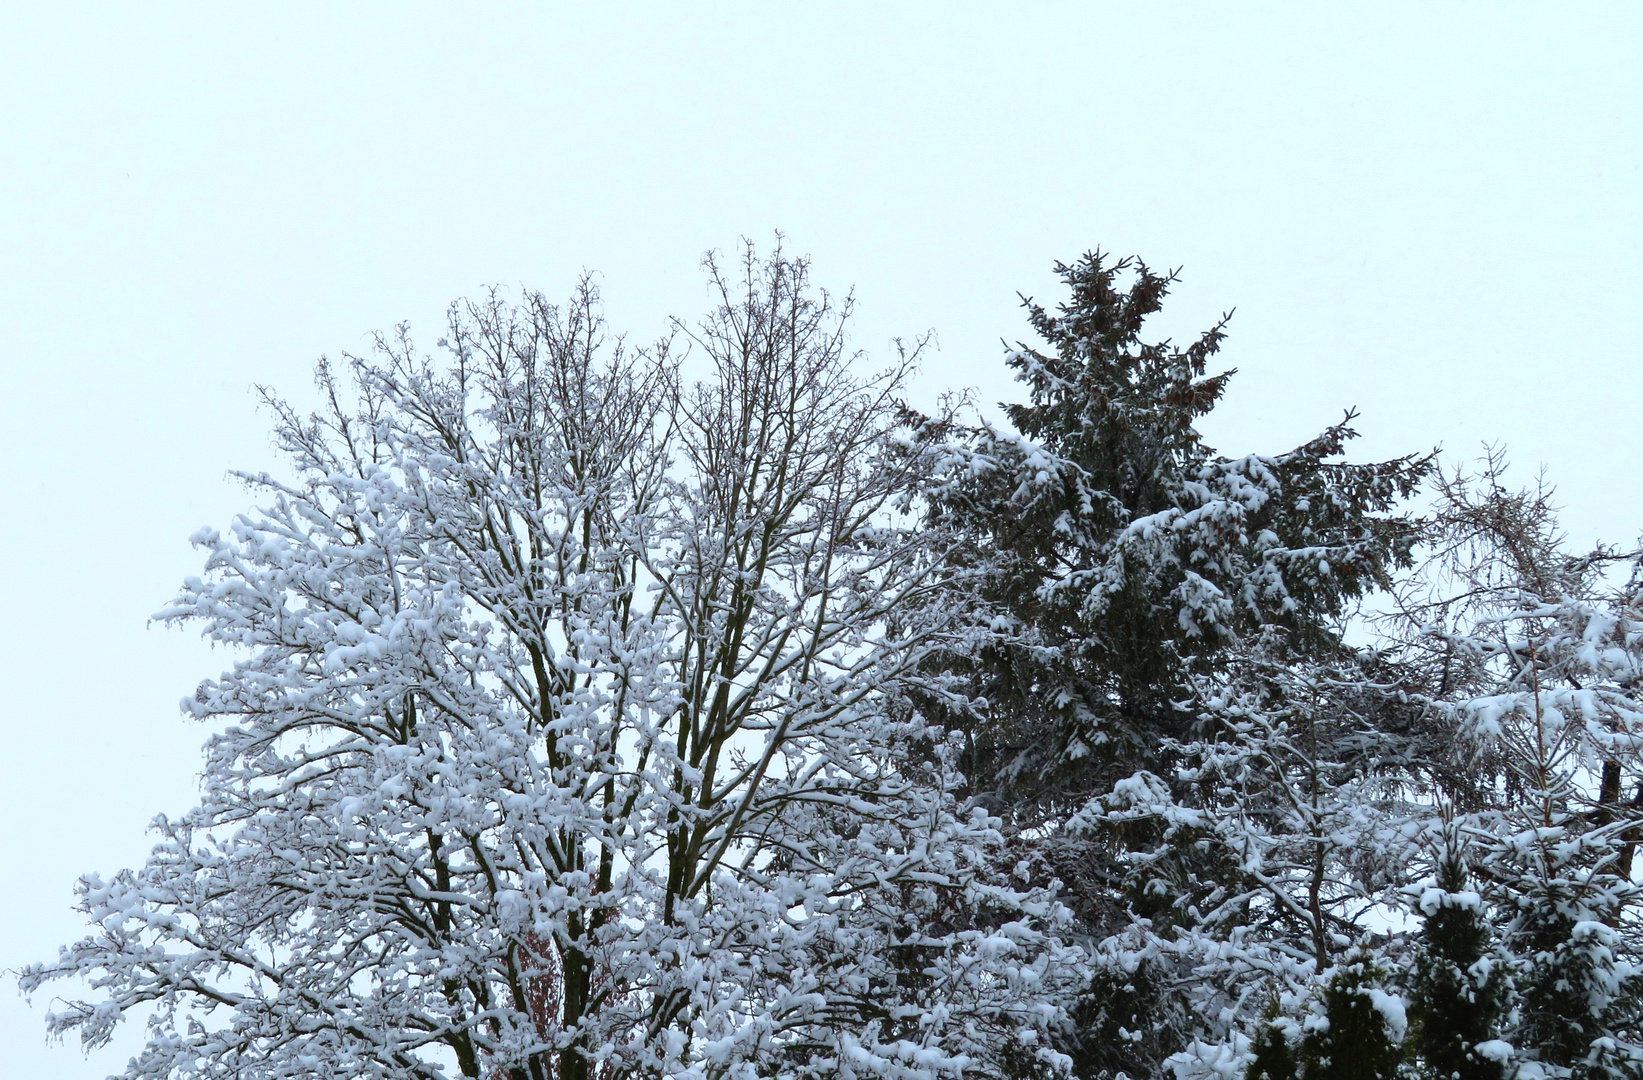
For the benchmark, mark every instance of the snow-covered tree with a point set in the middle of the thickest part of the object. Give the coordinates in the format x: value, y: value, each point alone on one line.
x: 571, y: 734
x: 1281, y: 838
x: 1129, y: 554
x: 1350, y: 1027
x: 1537, y: 659
x: 1460, y: 984
x: 1162, y: 710
x: 1356, y: 1031
x: 586, y: 722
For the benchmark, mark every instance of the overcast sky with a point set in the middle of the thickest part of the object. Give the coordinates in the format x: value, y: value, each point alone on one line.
x: 1428, y: 212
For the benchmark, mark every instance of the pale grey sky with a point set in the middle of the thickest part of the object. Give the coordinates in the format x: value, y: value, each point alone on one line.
x: 1429, y: 211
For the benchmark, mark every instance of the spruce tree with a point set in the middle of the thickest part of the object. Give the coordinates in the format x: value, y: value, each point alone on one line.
x: 1459, y: 986
x: 1128, y: 555
x: 1352, y: 1030
x: 1274, y: 1055
x: 1578, y: 991
x: 1134, y: 573
x: 1362, y: 1027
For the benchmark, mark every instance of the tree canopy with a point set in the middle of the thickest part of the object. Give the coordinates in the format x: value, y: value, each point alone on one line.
x: 591, y: 721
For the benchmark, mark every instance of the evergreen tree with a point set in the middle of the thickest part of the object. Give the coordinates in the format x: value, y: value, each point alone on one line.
x: 1345, y: 1026
x: 1128, y: 555
x: 1273, y: 1055
x: 1361, y: 1026
x: 1578, y: 992
x: 1254, y: 870
x: 1140, y: 582
x: 1459, y: 986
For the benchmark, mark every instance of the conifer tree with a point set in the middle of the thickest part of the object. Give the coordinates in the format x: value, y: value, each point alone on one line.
x: 1346, y: 1026
x: 1139, y: 582
x: 1128, y: 555
x: 1273, y: 1056
x: 1361, y: 1029
x: 1459, y: 986
x: 1578, y: 993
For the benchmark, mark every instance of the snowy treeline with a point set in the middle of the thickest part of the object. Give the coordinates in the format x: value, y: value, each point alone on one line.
x: 589, y: 721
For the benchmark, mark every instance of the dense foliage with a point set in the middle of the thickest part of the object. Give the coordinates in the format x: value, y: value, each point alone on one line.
x: 589, y: 721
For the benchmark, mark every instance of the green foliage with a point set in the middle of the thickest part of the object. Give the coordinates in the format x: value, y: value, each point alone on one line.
x: 1459, y: 987
x: 1352, y: 1031
x: 1275, y: 1057
x: 1355, y: 1043
x: 1120, y: 1025
x: 1576, y: 992
x: 1127, y: 555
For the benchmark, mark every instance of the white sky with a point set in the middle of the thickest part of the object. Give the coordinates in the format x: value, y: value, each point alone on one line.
x: 1430, y: 213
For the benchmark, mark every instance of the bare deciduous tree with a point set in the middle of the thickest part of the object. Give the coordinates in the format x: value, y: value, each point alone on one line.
x: 570, y: 732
